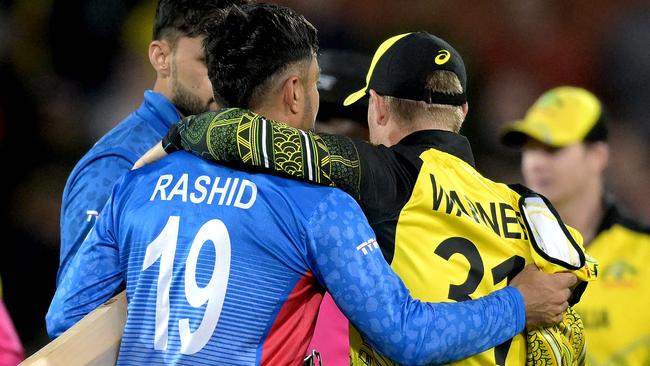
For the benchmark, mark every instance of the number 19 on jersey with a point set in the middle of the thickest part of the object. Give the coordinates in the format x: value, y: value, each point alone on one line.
x: 214, y: 293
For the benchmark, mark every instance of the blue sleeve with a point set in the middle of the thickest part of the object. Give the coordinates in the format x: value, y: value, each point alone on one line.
x: 92, y: 277
x: 85, y: 194
x: 343, y: 255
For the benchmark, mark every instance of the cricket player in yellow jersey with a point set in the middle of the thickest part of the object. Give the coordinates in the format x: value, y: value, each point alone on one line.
x: 563, y: 138
x: 448, y: 232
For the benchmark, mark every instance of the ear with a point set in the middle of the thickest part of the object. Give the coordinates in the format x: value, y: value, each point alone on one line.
x: 160, y: 56
x: 465, y: 108
x: 380, y: 109
x: 293, y: 94
x: 600, y: 155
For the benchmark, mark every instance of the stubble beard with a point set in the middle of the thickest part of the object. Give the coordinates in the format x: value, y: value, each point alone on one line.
x: 185, y: 101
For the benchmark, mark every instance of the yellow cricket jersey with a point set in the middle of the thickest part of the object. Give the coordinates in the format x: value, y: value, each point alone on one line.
x: 461, y: 236
x: 458, y: 238
x: 616, y: 308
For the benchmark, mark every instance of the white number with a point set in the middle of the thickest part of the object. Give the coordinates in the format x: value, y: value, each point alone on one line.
x: 214, y: 293
x: 163, y: 246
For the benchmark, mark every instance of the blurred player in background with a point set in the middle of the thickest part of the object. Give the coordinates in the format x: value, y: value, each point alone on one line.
x: 251, y: 295
x: 341, y: 73
x: 563, y: 139
x: 434, y: 215
x: 181, y: 88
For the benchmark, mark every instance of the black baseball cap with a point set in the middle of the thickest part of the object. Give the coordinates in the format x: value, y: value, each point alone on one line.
x: 402, y: 64
x: 341, y: 73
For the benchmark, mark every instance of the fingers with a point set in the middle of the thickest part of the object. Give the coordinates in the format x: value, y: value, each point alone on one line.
x: 526, y: 275
x: 556, y: 315
x: 566, y: 279
x: 558, y: 309
x: 560, y: 315
x: 567, y: 294
x: 138, y: 164
x: 154, y: 154
x: 531, y: 267
x: 545, y: 295
x: 141, y: 162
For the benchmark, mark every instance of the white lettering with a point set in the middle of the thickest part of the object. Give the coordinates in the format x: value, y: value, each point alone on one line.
x: 160, y: 186
x: 199, y: 187
x: 232, y: 191
x: 180, y: 188
x: 221, y: 190
x: 253, y: 195
x: 237, y: 192
x: 91, y: 214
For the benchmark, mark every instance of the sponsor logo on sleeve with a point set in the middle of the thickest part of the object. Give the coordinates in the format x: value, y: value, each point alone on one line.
x: 368, y: 246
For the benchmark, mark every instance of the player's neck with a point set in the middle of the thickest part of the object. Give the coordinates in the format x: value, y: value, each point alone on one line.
x: 584, y: 211
x: 276, y: 111
x: 401, y: 129
x: 162, y: 87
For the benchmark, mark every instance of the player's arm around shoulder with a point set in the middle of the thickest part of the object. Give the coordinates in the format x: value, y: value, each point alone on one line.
x: 344, y: 256
x: 241, y: 136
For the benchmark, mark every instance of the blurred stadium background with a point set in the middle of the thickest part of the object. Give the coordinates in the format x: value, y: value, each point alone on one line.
x: 70, y: 69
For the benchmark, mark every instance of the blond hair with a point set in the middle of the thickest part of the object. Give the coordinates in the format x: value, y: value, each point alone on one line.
x: 443, y: 116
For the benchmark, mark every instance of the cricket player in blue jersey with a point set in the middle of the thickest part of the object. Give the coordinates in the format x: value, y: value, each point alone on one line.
x: 181, y: 88
x: 228, y: 267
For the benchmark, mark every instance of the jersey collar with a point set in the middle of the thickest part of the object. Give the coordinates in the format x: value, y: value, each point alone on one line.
x: 158, y: 111
x: 449, y: 142
x: 617, y: 215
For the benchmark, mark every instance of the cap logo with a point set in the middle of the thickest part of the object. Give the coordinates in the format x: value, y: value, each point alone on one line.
x: 443, y: 57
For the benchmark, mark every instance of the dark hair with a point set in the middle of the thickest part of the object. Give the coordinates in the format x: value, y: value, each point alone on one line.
x: 600, y: 130
x: 187, y: 18
x: 250, y: 45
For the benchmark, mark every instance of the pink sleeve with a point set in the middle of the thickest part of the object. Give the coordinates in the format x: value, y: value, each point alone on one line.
x: 11, y: 351
x: 331, y: 337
